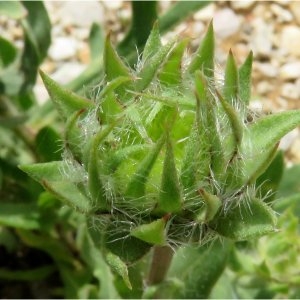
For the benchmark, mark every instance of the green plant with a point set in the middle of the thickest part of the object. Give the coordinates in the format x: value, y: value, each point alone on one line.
x: 162, y: 156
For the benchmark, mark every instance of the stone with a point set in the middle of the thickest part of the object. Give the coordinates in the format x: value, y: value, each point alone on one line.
x: 68, y: 71
x: 63, y: 48
x: 206, y: 13
x: 290, y: 39
x: 262, y: 36
x: 242, y: 5
x: 290, y: 70
x: 295, y: 9
x: 287, y: 141
x: 282, y: 14
x: 226, y: 23
x: 290, y: 91
x: 267, y: 69
x: 81, y: 13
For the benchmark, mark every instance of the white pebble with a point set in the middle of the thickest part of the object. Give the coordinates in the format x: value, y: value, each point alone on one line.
x: 226, y: 23
x: 290, y: 39
x: 290, y: 70
x: 62, y: 48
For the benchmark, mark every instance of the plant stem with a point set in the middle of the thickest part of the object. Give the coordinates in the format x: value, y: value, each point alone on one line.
x: 161, y: 260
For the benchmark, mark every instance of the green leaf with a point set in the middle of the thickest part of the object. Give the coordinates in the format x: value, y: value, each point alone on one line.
x: 262, y: 136
x: 48, y: 144
x: 12, y: 9
x: 268, y: 182
x: 20, y: 215
x: 121, y: 243
x: 53, y: 246
x: 245, y: 79
x: 204, y: 57
x: 113, y: 65
x: 170, y: 198
x: 8, y: 52
x: 234, y: 119
x: 119, y: 267
x: 152, y: 233
x: 199, y: 268
x: 153, y: 43
x: 250, y: 218
x: 35, y: 274
x: 212, y: 203
x: 65, y: 101
x: 96, y: 42
x: 171, y: 71
x: 51, y: 176
x: 37, y: 31
x: 137, y: 185
x: 96, y: 262
x: 150, y: 68
x: 231, y: 84
x: 95, y: 184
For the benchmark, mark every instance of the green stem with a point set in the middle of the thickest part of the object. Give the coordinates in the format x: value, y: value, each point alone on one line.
x: 161, y: 260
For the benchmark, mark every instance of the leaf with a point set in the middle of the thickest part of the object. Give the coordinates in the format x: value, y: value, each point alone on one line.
x: 231, y: 84
x: 263, y: 135
x: 199, y: 268
x: 150, y: 68
x: 53, y: 246
x: 95, y: 184
x: 245, y: 79
x: 152, y: 233
x: 96, y: 262
x: 171, y: 70
x: 51, y: 176
x: 65, y: 101
x: 113, y: 65
x: 119, y: 267
x: 137, y: 185
x: 35, y: 274
x: 204, y: 57
x: 212, y: 203
x: 37, y: 31
x: 170, y: 198
x: 234, y: 120
x: 12, y: 9
x: 48, y: 144
x: 20, y: 215
x: 251, y: 218
x: 153, y: 43
x: 96, y: 41
x: 8, y: 52
x: 121, y: 243
x: 268, y: 182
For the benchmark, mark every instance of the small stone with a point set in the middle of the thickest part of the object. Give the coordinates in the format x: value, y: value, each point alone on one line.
x: 226, y: 23
x: 81, y: 13
x: 287, y: 141
x: 290, y: 70
x: 282, y: 14
x: 67, y: 72
x: 242, y: 5
x: 290, y: 91
x: 290, y: 39
x: 261, y: 43
x: 264, y: 87
x: 295, y: 9
x: 267, y: 69
x: 62, y: 48
x: 206, y: 13
x: 112, y: 4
